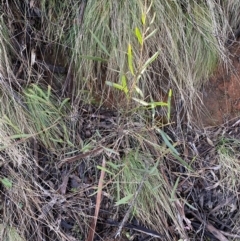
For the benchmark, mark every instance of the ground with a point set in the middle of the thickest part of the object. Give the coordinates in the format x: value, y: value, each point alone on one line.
x: 221, y: 94
x: 206, y: 198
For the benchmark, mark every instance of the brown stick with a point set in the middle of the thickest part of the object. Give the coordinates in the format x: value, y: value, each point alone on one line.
x: 91, y: 153
x: 92, y: 228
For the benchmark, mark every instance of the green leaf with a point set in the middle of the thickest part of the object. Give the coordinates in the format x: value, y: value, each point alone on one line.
x: 150, y: 60
x: 110, y: 151
x: 151, y: 34
x: 48, y: 92
x: 6, y: 182
x: 139, y: 35
x: 109, y: 83
x: 139, y: 91
x: 124, y: 200
x: 37, y: 90
x: 63, y: 103
x: 174, y: 189
x: 158, y: 103
x: 189, y: 205
x: 130, y: 59
x: 142, y: 102
x: 173, y: 150
x: 153, y: 18
x: 114, y: 166
x: 123, y: 80
x: 37, y: 98
x: 167, y: 142
x: 19, y: 136
x: 149, y: 8
x: 105, y: 170
x: 154, y: 169
x: 143, y: 18
x: 124, y: 84
x: 116, y: 86
x: 56, y: 141
x: 169, y: 104
x: 183, y: 162
x: 100, y: 44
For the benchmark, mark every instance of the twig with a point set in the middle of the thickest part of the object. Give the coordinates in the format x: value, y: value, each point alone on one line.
x: 98, y: 202
x: 91, y: 153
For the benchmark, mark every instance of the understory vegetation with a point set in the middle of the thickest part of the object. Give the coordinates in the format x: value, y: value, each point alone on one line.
x: 99, y: 122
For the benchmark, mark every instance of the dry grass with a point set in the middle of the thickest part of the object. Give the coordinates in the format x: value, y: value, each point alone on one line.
x: 55, y: 57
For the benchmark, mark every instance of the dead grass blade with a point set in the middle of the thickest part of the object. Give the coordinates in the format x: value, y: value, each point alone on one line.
x: 92, y: 227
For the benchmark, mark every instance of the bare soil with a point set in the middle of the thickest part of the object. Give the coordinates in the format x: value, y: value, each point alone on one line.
x: 221, y: 94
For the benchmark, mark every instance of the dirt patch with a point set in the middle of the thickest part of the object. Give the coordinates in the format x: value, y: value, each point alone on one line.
x: 221, y: 95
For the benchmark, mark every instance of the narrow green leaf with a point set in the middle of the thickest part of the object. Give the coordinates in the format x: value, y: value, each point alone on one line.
x: 109, y: 83
x: 130, y: 59
x: 37, y: 98
x: 174, y: 189
x: 189, y: 205
x: 110, y: 151
x: 9, y: 122
x: 151, y: 34
x: 142, y: 102
x: 124, y: 84
x: 6, y: 182
x: 123, y: 80
x: 114, y: 166
x: 124, y: 200
x: 143, y: 18
x: 56, y: 141
x: 167, y: 142
x: 139, y: 36
x: 154, y: 169
x: 139, y: 91
x: 153, y: 18
x: 158, y: 103
x: 149, y: 8
x: 115, y: 85
x: 150, y: 60
x: 105, y: 170
x: 100, y: 44
x: 63, y: 103
x: 19, y: 136
x: 183, y: 162
x: 173, y: 150
x: 49, y: 92
x: 169, y: 104
x: 37, y: 90
x: 153, y: 112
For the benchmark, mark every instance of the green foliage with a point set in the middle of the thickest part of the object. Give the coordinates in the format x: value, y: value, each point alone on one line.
x: 134, y: 46
x: 136, y: 74
x: 130, y: 174
x: 47, y: 116
x: 6, y: 182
